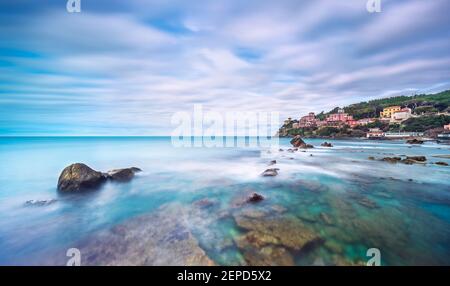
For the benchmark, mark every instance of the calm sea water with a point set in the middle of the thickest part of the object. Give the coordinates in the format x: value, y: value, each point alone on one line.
x: 350, y: 202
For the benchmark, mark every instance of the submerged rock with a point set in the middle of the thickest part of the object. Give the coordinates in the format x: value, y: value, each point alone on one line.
x: 78, y: 177
x: 40, y: 203
x: 122, y: 175
x: 270, y: 172
x: 442, y: 163
x: 414, y: 141
x: 284, y: 232
x: 160, y: 238
x: 326, y: 144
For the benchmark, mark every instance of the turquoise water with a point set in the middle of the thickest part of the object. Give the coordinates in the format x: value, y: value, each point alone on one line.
x: 346, y: 201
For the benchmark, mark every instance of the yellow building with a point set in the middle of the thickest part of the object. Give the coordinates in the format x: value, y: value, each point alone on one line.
x: 388, y: 111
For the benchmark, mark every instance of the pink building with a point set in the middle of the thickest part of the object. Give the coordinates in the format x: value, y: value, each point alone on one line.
x: 308, y: 121
x: 340, y: 117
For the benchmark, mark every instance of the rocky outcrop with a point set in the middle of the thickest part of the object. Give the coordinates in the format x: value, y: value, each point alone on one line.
x: 298, y: 142
x: 254, y: 198
x: 268, y: 241
x: 326, y: 144
x: 122, y: 175
x: 79, y: 177
x: 270, y: 172
x: 163, y: 237
x: 391, y: 159
x: 414, y: 141
x: 409, y: 160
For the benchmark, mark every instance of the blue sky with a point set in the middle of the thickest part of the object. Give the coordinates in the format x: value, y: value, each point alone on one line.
x: 124, y: 67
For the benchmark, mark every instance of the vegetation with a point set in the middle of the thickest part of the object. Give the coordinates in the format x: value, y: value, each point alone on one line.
x: 426, y: 108
x: 421, y: 124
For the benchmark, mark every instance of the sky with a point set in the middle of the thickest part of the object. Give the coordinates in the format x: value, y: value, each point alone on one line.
x: 126, y: 67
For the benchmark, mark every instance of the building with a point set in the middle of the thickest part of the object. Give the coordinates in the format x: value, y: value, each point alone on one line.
x: 401, y: 115
x: 375, y: 133
x: 366, y: 121
x: 340, y: 117
x: 447, y: 127
x: 388, y: 111
x: 309, y: 120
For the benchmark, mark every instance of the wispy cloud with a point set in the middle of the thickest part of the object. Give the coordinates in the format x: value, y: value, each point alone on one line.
x: 124, y: 67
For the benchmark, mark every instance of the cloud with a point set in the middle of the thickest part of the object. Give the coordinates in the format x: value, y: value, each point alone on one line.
x: 123, y: 68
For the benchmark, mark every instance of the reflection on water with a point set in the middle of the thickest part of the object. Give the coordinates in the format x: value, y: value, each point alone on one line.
x: 327, y: 206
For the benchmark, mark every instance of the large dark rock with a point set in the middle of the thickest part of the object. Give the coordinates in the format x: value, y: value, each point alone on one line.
x: 298, y: 142
x: 254, y: 198
x: 414, y: 141
x: 78, y: 177
x: 391, y: 159
x: 326, y: 144
x: 122, y: 175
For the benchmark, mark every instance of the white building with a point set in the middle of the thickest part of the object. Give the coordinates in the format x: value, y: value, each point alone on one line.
x: 401, y: 115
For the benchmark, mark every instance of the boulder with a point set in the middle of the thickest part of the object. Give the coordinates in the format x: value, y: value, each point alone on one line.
x: 326, y: 144
x: 298, y: 142
x: 254, y: 198
x: 122, y: 175
x: 414, y: 141
x: 442, y: 163
x: 79, y: 177
x: 417, y: 158
x: 273, y: 162
x: 270, y: 172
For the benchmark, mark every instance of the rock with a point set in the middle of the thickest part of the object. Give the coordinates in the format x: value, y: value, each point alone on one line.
x: 441, y: 163
x: 268, y: 256
x: 40, y: 203
x: 79, y: 177
x: 371, y: 158
x: 417, y: 158
x: 270, y: 172
x: 255, y: 198
x: 122, y: 175
x: 326, y: 144
x: 325, y: 218
x: 273, y: 162
x: 284, y: 232
x: 367, y: 203
x: 163, y: 237
x: 414, y: 141
x: 298, y: 142
x: 204, y: 203
x: 391, y: 159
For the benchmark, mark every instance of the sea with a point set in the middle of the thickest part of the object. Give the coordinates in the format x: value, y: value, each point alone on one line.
x: 189, y: 205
